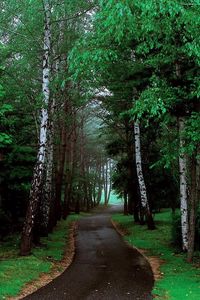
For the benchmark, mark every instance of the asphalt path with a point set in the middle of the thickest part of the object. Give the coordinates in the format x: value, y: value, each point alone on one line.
x: 104, y: 267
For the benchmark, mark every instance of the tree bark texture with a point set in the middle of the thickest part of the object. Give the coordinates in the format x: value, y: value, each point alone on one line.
x: 60, y: 170
x: 105, y: 181
x: 48, y: 193
x: 183, y: 188
x: 39, y: 170
x: 125, y: 203
x: 142, y: 186
x: 192, y: 209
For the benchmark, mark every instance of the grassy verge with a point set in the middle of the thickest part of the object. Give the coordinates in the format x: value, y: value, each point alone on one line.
x: 180, y: 280
x: 16, y: 271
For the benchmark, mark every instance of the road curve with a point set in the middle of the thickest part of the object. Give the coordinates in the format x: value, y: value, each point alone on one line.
x: 104, y: 267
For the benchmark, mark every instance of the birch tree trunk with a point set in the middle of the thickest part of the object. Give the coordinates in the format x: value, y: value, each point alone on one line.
x: 105, y: 180
x: 183, y: 189
x: 35, y: 192
x: 49, y: 166
x: 110, y: 181
x: 142, y: 186
x: 49, y: 190
x: 192, y: 210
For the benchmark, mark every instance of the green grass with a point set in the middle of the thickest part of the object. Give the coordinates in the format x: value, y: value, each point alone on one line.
x: 16, y: 271
x: 181, y: 280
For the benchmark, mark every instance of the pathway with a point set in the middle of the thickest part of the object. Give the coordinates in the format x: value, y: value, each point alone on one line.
x: 104, y: 267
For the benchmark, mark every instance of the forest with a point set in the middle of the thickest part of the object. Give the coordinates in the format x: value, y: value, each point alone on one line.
x: 99, y: 98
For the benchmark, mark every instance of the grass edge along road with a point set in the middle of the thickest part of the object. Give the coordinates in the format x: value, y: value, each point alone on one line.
x: 180, y: 280
x: 16, y: 272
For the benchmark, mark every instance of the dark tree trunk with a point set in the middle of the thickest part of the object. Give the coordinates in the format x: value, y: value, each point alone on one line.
x: 150, y: 221
x: 77, y: 207
x: 130, y: 203
x: 141, y: 218
x: 66, y: 204
x: 125, y: 203
x: 60, y: 172
x: 99, y: 183
x: 136, y: 210
x: 32, y: 210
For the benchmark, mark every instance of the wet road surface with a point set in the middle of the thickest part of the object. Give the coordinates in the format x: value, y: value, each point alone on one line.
x: 104, y: 267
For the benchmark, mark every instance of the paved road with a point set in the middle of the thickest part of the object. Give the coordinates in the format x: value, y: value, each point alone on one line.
x: 104, y: 267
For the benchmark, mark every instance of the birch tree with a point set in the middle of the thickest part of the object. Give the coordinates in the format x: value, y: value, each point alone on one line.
x: 183, y: 187
x: 192, y: 211
x: 48, y: 190
x: 143, y: 193
x: 38, y: 175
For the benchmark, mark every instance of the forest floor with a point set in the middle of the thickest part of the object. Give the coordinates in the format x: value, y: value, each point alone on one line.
x: 176, y: 279
x: 23, y: 275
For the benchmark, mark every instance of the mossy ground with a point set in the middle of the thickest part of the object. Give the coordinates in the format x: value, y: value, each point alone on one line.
x: 16, y: 271
x: 180, y: 280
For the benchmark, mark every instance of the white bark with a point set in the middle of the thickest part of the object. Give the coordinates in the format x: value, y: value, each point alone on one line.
x: 105, y: 182
x: 51, y: 108
x: 138, y: 158
x: 45, y: 82
x: 46, y: 138
x: 183, y: 189
x: 110, y: 180
x: 48, y: 190
x: 35, y: 192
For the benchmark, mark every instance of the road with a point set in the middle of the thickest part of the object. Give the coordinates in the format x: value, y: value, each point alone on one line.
x: 104, y: 267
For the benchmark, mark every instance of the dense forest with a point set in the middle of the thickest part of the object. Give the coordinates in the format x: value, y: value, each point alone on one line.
x: 98, y: 95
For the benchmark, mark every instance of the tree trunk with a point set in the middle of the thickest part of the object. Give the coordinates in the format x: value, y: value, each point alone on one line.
x: 142, y: 186
x: 130, y: 202
x: 73, y: 158
x: 192, y: 210
x: 67, y: 176
x: 35, y: 192
x: 132, y: 186
x: 60, y: 171
x: 48, y: 202
x: 183, y: 188
x: 125, y: 203
x: 77, y: 206
x: 136, y: 209
x: 110, y: 181
x: 48, y: 192
x: 105, y: 181
x: 99, y: 183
